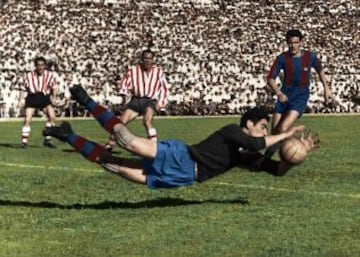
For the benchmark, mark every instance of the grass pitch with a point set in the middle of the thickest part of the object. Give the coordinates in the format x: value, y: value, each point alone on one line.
x: 55, y: 203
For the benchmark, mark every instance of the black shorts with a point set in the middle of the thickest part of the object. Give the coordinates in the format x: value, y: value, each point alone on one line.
x: 139, y: 104
x: 38, y: 100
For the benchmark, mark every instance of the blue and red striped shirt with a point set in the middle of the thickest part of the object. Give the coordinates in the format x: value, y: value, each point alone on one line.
x: 297, y: 70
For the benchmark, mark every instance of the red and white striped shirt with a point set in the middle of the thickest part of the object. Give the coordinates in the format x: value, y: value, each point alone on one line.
x: 33, y: 83
x: 150, y: 84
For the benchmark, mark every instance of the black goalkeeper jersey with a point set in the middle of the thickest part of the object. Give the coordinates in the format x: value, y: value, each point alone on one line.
x: 226, y: 148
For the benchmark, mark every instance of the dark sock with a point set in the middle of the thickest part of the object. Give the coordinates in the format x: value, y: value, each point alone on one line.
x: 90, y: 150
x: 106, y: 118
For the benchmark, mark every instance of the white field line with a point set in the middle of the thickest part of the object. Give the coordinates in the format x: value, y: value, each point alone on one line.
x: 257, y: 187
x: 332, y: 194
x: 44, y: 167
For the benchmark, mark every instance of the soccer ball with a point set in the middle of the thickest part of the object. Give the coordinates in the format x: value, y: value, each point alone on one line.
x: 293, y: 151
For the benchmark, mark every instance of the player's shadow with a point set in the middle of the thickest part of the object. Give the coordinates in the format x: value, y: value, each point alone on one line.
x: 16, y: 146
x: 160, y: 202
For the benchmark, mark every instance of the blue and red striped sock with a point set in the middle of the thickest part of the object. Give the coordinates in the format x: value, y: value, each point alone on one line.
x: 90, y: 150
x: 106, y: 118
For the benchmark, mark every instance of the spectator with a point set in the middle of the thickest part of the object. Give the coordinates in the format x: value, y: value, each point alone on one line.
x: 202, y: 40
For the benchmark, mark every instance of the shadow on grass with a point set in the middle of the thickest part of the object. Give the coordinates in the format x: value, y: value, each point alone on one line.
x: 160, y: 202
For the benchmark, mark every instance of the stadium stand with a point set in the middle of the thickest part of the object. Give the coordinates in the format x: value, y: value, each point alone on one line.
x: 216, y: 54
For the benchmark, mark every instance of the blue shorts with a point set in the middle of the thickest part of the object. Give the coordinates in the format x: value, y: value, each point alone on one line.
x: 171, y: 167
x: 297, y: 100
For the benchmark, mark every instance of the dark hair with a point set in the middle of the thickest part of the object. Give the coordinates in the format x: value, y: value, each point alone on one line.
x: 255, y: 115
x: 147, y: 51
x: 40, y: 59
x: 293, y: 33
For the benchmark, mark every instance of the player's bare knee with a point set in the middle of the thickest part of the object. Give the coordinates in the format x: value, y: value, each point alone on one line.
x: 282, y: 129
x: 148, y: 123
x: 124, y: 120
x: 123, y: 136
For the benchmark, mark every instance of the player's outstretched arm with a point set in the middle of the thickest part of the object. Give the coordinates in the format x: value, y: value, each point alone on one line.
x: 273, y: 139
x: 130, y: 169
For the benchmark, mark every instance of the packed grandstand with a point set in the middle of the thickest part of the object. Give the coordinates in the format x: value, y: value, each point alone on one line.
x: 216, y: 54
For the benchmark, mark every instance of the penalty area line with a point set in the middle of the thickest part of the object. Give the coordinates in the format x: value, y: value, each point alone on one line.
x: 44, y: 167
x: 333, y: 194
x: 257, y: 187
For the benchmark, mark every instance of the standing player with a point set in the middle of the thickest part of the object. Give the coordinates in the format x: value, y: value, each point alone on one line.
x: 147, y: 85
x: 294, y: 92
x: 40, y: 86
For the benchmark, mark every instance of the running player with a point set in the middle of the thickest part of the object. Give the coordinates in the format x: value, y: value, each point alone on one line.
x: 293, y: 95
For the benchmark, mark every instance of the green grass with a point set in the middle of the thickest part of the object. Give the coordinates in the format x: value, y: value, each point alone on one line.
x: 55, y: 203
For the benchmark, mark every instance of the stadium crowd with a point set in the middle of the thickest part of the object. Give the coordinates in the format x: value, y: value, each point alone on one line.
x: 216, y: 54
